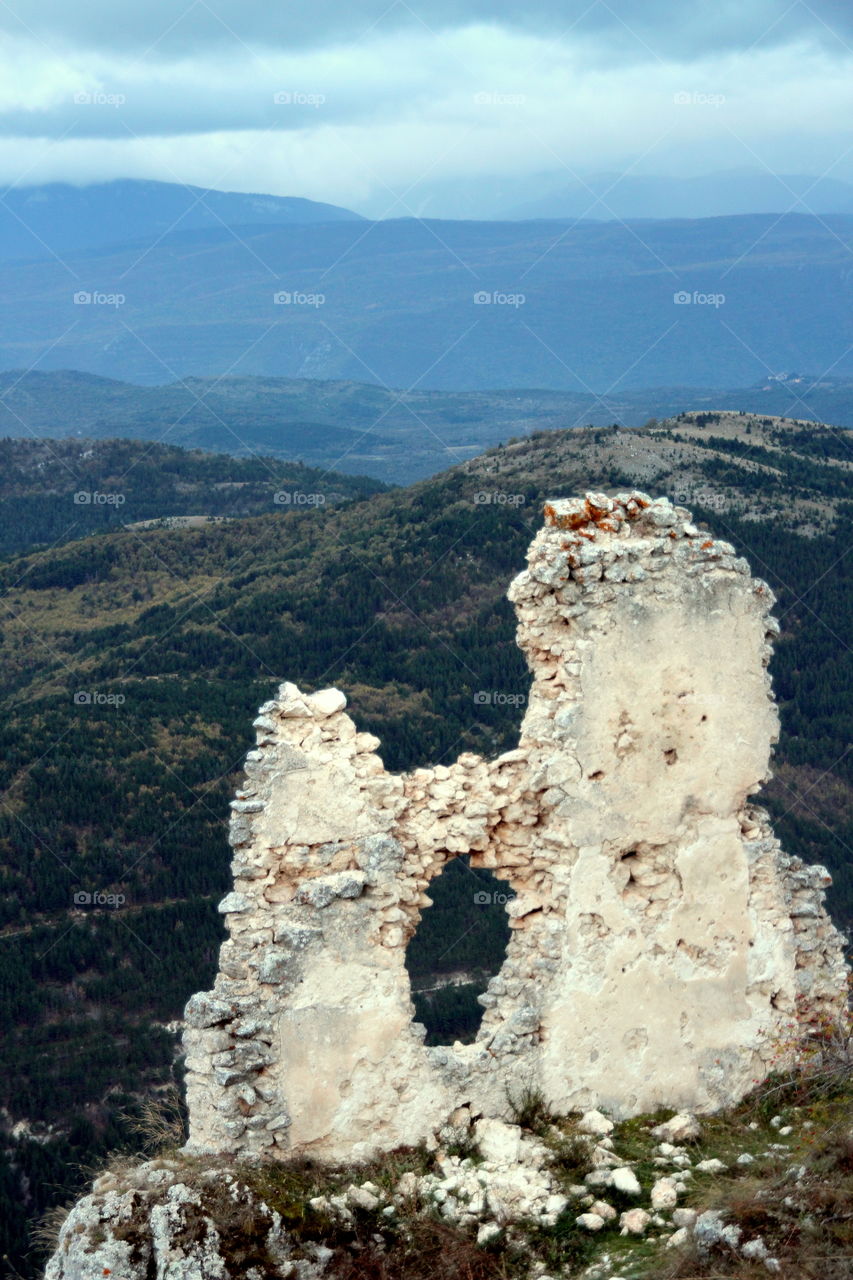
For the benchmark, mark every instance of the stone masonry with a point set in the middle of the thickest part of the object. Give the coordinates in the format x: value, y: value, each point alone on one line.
x: 660, y: 936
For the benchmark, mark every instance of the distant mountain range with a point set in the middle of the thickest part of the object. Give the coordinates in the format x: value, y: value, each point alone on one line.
x: 59, y: 219
x: 627, y: 195
x: 359, y: 429
x: 592, y: 308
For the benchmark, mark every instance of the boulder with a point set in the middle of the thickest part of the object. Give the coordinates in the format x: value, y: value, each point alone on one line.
x: 682, y: 1127
x: 633, y: 1222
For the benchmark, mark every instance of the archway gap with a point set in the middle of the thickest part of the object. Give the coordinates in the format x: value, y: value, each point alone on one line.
x: 460, y: 944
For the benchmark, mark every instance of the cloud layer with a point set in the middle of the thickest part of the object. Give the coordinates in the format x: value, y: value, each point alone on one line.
x: 361, y: 103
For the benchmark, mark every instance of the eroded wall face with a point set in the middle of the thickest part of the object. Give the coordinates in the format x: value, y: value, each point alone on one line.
x: 659, y: 935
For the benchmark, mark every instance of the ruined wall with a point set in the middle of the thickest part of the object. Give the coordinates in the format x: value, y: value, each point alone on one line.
x: 660, y: 936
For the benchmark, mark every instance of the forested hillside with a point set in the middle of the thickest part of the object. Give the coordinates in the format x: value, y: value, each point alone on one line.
x: 53, y: 491
x: 133, y: 661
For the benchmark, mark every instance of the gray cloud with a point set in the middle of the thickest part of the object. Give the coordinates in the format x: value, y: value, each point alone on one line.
x: 667, y: 27
x: 243, y: 95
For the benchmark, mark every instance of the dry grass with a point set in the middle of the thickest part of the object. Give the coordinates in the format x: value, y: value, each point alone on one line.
x: 806, y: 1223
x: 426, y: 1250
x: 45, y: 1234
x: 161, y: 1121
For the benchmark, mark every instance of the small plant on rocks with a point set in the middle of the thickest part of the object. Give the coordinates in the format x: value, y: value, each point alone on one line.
x: 530, y: 1110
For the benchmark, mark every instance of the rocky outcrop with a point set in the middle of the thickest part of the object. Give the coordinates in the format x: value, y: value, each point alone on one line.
x: 660, y: 937
x: 166, y: 1220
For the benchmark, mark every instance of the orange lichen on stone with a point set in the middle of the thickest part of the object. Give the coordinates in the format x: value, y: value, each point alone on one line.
x: 573, y: 521
x: 588, y: 513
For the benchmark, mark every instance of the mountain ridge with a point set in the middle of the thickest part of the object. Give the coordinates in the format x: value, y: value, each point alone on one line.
x: 359, y: 428
x: 62, y: 217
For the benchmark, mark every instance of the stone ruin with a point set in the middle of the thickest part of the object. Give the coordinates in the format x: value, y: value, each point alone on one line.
x: 660, y: 936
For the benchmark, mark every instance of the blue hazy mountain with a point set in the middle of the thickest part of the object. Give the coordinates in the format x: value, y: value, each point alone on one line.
x: 614, y: 195
x: 59, y: 218
x: 598, y: 307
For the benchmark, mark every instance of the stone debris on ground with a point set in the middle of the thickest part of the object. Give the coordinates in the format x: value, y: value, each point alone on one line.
x: 146, y: 1220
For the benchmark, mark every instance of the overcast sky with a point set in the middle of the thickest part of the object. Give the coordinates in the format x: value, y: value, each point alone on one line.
x: 392, y: 107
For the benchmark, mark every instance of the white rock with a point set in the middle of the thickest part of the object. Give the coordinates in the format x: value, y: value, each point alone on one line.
x: 555, y: 1204
x: 233, y: 903
x: 407, y: 1186
x: 684, y: 1217
x: 625, y: 1180
x: 678, y: 1238
x: 327, y: 702
x: 590, y: 1221
x: 682, y: 1127
x: 359, y: 1198
x: 595, y: 1123
x: 710, y: 1229
x: 710, y: 1166
x: 604, y: 1210
x: 488, y: 1231
x: 498, y: 1141
x: 633, y: 1222
x: 107, y: 1235
x: 664, y: 1194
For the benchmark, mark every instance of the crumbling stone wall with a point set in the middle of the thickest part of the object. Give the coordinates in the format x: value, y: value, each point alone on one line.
x: 660, y: 937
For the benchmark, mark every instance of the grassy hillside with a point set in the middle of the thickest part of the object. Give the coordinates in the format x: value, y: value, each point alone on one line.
x: 132, y: 664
